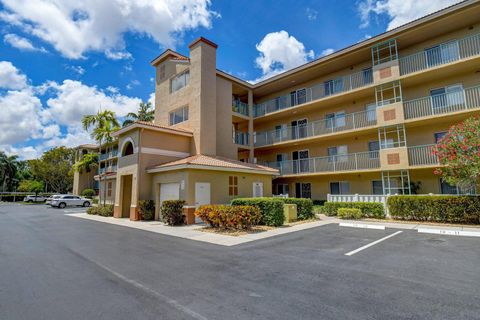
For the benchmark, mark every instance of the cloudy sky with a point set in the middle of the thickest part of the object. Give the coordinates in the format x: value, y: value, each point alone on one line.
x: 62, y: 59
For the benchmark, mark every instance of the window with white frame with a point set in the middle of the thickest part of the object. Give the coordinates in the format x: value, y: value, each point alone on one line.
x: 447, y: 98
x: 388, y: 93
x: 392, y: 137
x: 384, y: 52
x: 396, y: 182
x: 179, y: 81
x: 340, y: 187
x: 178, y: 115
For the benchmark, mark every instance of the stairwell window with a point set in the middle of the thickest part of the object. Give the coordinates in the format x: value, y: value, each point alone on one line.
x: 179, y: 81
x: 178, y: 115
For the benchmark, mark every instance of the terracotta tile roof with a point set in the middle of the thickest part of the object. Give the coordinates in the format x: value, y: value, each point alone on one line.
x: 151, y: 124
x: 219, y: 162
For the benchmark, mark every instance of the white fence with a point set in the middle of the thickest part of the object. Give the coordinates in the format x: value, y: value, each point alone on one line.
x: 360, y: 198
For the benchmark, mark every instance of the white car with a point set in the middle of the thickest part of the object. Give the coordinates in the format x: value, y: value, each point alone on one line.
x: 70, y: 200
x: 33, y: 198
x: 52, y: 197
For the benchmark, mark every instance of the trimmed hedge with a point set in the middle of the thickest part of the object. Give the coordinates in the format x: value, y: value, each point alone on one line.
x: 88, y: 193
x: 369, y: 209
x: 104, y: 211
x: 271, y: 209
x: 146, y: 209
x: 172, y: 212
x: 454, y: 209
x: 349, y: 213
x: 229, y: 217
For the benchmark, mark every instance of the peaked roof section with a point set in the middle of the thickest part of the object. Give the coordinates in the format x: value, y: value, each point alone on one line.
x: 169, y: 53
x: 204, y: 162
x: 156, y: 127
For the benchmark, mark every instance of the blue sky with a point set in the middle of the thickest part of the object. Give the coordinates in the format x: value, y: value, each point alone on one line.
x: 61, y: 61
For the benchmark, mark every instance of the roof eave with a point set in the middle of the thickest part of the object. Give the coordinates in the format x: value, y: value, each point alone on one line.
x: 212, y: 168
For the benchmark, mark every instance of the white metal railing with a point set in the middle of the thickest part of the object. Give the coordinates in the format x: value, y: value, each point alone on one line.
x: 441, y: 54
x: 347, y: 162
x: 422, y: 155
x: 345, y: 122
x: 241, y: 138
x: 443, y: 103
x: 318, y: 91
x: 240, y: 107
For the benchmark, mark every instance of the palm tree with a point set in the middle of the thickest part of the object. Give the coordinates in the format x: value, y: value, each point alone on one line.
x: 144, y: 113
x: 88, y: 163
x: 8, y: 169
x: 104, y: 124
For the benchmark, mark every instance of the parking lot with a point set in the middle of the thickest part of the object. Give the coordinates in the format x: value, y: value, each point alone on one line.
x: 53, y: 266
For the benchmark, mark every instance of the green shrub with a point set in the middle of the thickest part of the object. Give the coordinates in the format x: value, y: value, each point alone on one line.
x: 271, y: 209
x: 95, y: 200
x: 319, y: 202
x: 349, y: 213
x: 229, y: 217
x: 104, y: 211
x: 454, y: 209
x: 172, y: 212
x: 88, y: 193
x: 146, y: 209
x: 369, y: 209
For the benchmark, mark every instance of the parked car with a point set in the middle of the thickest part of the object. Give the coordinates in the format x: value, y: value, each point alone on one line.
x: 55, y: 196
x: 34, y: 198
x: 69, y: 200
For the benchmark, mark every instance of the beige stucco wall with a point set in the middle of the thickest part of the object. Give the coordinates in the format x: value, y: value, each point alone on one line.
x: 82, y: 181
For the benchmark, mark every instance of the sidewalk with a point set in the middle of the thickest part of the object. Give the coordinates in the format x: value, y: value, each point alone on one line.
x: 192, y: 232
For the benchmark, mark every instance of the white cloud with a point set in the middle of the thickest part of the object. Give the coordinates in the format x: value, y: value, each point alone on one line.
x: 24, y: 153
x: 280, y: 52
x: 21, y: 43
x: 74, y: 27
x: 326, y: 52
x: 76, y: 69
x: 311, y: 14
x: 400, y: 12
x: 73, y: 99
x: 117, y: 55
x: 10, y: 76
x: 50, y: 131
x: 132, y: 84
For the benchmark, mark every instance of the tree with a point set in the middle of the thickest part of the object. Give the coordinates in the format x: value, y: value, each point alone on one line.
x: 458, y: 153
x: 8, y: 171
x: 104, y: 124
x: 30, y: 186
x: 88, y: 163
x: 145, y: 112
x: 54, y: 168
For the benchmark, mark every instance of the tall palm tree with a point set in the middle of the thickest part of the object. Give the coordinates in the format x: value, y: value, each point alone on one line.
x: 104, y: 124
x: 8, y: 169
x: 88, y: 163
x: 145, y: 113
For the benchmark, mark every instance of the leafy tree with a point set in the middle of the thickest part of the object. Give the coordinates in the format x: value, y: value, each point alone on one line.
x: 88, y: 163
x: 104, y: 124
x: 30, y: 186
x: 459, y: 154
x: 55, y: 169
x: 145, y: 112
x: 8, y: 171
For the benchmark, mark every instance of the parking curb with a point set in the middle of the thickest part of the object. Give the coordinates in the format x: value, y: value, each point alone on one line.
x: 361, y: 225
x: 449, y: 232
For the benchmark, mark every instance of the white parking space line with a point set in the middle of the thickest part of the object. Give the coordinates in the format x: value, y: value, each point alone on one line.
x: 362, y: 225
x: 461, y: 233
x: 351, y: 253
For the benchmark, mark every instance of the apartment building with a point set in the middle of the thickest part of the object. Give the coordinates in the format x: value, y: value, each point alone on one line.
x: 361, y: 120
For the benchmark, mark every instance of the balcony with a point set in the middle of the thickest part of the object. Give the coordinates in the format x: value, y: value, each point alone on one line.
x: 349, y: 162
x: 316, y: 92
x: 240, y: 107
x: 441, y: 54
x: 457, y: 101
x: 346, y: 122
x: 102, y: 156
x: 113, y: 153
x: 241, y: 138
x: 422, y: 155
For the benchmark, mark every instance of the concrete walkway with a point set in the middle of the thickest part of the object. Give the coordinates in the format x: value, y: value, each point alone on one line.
x: 191, y: 232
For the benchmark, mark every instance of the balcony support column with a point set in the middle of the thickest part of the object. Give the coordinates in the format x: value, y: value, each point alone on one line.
x: 251, y: 154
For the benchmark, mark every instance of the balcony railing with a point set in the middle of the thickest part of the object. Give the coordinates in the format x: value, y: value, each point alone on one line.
x: 442, y: 103
x: 113, y: 153
x: 345, y: 122
x: 240, y: 107
x: 422, y: 155
x: 241, y: 138
x: 348, y: 162
x: 103, y: 156
x: 441, y: 54
x: 318, y: 91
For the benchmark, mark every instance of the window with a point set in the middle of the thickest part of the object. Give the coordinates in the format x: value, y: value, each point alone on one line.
x: 282, y: 188
x: 109, y: 189
x: 128, y: 149
x: 377, y: 187
x: 388, y: 93
x: 341, y: 187
x: 371, y: 111
x: 384, y: 52
x: 439, y: 136
x: 179, y: 81
x: 299, y: 128
x: 303, y: 190
x: 282, y: 157
x: 333, y: 86
x: 447, y: 98
x: 392, y: 137
x: 335, y: 120
x: 446, y: 188
x: 301, y: 162
x: 281, y: 131
x: 367, y: 75
x: 443, y: 53
x: 373, y: 147
x: 396, y: 182
x: 233, y: 186
x: 338, y: 154
x: 298, y: 97
x: 178, y: 115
